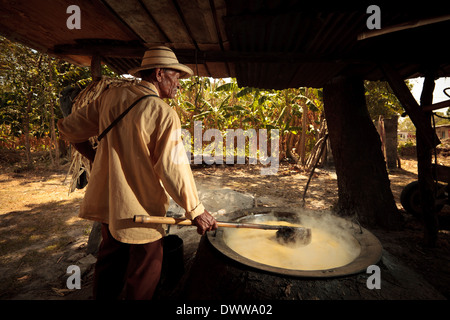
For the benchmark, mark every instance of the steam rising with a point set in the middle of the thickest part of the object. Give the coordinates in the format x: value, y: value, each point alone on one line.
x: 332, y: 245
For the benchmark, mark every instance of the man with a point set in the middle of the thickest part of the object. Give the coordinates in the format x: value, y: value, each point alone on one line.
x: 135, y: 166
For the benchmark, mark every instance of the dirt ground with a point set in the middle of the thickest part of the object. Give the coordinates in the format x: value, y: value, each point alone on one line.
x: 41, y: 235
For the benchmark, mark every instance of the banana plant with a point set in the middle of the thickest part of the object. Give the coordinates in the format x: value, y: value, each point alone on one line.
x: 223, y: 105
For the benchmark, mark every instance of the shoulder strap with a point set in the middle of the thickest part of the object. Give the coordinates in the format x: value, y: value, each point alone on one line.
x: 123, y: 114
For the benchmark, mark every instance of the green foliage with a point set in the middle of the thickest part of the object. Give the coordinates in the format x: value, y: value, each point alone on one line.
x: 30, y: 83
x: 381, y: 100
x: 222, y: 104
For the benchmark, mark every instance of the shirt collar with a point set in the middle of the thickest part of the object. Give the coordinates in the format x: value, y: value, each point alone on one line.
x: 149, y: 86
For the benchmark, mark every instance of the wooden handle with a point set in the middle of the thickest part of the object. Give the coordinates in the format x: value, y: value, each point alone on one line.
x: 187, y: 222
x: 162, y: 220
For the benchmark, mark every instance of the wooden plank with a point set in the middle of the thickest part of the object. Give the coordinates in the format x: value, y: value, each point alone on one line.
x: 199, y: 17
x: 402, y: 26
x: 169, y: 21
x: 45, y: 21
x: 219, y: 11
x: 412, y: 108
x: 139, y: 19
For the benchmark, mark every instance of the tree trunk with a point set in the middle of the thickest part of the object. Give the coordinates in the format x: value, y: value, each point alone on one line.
x: 363, y: 182
x: 302, y: 143
x: 52, y: 124
x: 26, y: 128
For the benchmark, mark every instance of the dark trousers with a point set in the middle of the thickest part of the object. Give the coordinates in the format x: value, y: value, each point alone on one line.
x: 129, y: 271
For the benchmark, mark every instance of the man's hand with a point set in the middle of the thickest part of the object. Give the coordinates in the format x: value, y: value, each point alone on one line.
x: 205, y: 222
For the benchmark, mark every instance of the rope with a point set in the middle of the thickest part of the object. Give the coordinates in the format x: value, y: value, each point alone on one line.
x: 439, y: 116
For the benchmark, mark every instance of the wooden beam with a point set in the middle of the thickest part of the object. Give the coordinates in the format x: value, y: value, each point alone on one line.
x: 134, y: 50
x: 106, y: 50
x: 216, y: 23
x: 436, y: 106
x: 189, y: 55
x: 412, y: 108
x: 402, y: 26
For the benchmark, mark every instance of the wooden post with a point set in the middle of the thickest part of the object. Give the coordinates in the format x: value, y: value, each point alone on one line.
x: 411, y: 106
x: 426, y: 140
x: 96, y: 68
x: 424, y: 167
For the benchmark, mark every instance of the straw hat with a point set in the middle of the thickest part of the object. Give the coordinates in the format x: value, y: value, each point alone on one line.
x: 161, y: 57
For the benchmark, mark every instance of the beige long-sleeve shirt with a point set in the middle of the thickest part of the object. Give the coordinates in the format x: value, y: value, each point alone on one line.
x: 138, y: 164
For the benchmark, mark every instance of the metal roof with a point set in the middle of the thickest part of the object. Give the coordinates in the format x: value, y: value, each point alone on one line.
x: 272, y: 44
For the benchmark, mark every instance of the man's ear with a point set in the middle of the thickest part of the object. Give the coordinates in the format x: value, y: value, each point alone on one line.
x: 158, y: 74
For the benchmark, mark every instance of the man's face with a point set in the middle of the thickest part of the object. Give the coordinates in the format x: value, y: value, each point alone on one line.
x: 169, y: 84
